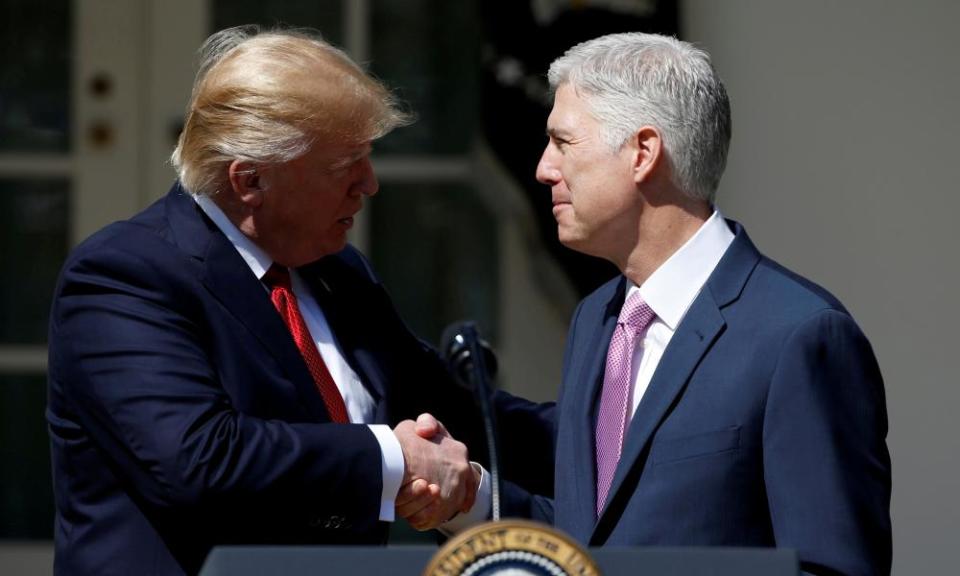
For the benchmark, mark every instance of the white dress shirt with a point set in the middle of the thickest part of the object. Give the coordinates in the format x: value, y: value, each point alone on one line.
x: 359, y: 402
x: 669, y: 291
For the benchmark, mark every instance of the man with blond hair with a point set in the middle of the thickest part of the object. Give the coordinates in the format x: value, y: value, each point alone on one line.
x: 224, y: 368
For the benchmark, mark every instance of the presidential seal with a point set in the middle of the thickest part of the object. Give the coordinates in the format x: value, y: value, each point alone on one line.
x: 511, y: 548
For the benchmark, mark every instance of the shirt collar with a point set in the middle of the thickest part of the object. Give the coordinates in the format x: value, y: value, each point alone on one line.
x: 258, y: 260
x: 673, y: 287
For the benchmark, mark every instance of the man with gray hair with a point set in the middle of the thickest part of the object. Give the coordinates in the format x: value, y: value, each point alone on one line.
x: 710, y: 397
x: 224, y: 368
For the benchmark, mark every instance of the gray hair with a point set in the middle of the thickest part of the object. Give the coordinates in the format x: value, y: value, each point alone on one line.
x: 632, y: 80
x: 268, y: 96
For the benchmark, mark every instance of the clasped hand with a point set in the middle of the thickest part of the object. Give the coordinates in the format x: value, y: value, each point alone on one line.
x: 438, y: 480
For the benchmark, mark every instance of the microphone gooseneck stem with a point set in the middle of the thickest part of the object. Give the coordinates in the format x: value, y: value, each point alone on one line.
x: 481, y: 386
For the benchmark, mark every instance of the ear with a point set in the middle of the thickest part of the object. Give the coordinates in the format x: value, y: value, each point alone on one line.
x: 245, y: 181
x: 647, y: 145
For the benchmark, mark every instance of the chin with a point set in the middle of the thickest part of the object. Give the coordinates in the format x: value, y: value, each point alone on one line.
x: 570, y: 239
x: 580, y: 244
x: 575, y: 244
x: 334, y: 247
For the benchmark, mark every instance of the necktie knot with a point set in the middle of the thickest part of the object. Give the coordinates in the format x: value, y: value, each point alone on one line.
x: 636, y: 313
x: 277, y: 277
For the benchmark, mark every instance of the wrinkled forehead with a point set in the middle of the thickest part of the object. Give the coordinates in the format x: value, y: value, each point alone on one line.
x: 331, y: 154
x: 571, y: 109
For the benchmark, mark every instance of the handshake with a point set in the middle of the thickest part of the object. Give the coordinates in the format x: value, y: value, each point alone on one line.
x: 438, y: 480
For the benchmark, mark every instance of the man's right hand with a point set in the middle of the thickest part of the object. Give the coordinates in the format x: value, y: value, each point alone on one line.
x: 441, y: 467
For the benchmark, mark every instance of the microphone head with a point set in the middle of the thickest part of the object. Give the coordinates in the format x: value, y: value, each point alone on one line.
x: 457, y: 341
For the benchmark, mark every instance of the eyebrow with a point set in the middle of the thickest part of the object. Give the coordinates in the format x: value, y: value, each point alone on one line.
x: 560, y: 133
x: 351, y: 158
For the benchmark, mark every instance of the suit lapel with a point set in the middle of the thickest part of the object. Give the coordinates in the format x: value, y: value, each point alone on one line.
x: 694, y: 337
x: 228, y: 278
x: 338, y: 291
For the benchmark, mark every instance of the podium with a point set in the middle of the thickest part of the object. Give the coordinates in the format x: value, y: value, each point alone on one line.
x: 411, y: 560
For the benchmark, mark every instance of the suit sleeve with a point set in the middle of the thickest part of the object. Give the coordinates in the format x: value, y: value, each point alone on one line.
x: 130, y: 361
x: 526, y: 429
x: 826, y: 464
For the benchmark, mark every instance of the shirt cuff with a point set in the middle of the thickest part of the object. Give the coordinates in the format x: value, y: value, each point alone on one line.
x: 481, y: 507
x: 392, y: 464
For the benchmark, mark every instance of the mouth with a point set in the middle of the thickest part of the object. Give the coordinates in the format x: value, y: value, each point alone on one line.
x: 346, y: 222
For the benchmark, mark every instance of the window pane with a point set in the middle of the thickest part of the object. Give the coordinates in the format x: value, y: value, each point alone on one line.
x: 33, y: 244
x: 435, y: 248
x: 326, y: 16
x: 26, y: 490
x: 35, y: 44
x: 429, y: 52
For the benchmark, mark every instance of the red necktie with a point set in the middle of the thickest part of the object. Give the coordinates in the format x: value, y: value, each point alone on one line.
x: 278, y: 279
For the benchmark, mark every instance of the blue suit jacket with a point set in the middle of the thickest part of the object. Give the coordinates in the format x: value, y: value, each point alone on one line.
x: 182, y: 416
x: 764, y: 425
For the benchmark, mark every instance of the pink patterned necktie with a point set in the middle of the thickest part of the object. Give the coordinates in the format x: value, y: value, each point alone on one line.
x: 634, y: 318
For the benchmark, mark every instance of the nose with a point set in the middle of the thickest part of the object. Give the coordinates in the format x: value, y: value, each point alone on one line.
x: 366, y: 183
x: 547, y: 171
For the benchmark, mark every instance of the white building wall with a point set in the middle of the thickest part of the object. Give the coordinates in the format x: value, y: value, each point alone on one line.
x: 845, y: 149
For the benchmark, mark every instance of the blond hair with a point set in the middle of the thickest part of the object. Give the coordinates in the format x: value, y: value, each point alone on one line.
x: 267, y: 97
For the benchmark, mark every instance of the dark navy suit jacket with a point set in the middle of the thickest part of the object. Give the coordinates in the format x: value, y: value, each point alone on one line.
x: 764, y: 425
x: 182, y: 416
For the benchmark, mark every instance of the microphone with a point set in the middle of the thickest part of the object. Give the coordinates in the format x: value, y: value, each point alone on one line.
x: 473, y: 362
x: 459, y: 354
